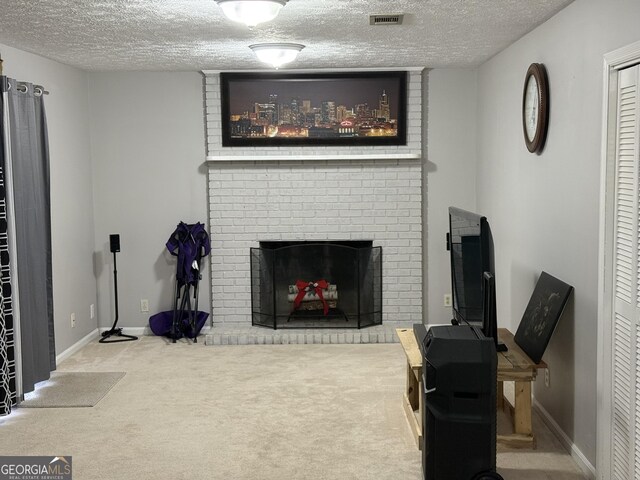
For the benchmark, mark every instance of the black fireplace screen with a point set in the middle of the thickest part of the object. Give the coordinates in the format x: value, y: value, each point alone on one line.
x: 316, y: 284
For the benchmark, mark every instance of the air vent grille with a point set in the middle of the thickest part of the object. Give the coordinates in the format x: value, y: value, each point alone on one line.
x: 388, y: 19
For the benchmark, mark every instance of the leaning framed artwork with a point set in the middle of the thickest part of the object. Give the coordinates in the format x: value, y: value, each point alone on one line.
x: 541, y: 316
x: 349, y: 109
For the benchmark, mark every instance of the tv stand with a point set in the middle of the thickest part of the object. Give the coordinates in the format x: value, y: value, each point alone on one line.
x: 514, y: 366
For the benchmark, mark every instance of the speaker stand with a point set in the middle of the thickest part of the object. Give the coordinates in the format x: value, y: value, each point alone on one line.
x: 116, y: 332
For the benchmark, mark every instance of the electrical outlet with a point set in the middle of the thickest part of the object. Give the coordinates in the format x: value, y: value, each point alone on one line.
x: 144, y: 305
x: 546, y: 377
x: 447, y: 299
x: 92, y: 311
x: 73, y: 320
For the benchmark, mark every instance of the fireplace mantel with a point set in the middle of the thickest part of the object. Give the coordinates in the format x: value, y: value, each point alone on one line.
x: 297, y: 157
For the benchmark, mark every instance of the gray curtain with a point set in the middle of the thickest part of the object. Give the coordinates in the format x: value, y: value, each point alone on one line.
x: 8, y: 395
x: 28, y: 163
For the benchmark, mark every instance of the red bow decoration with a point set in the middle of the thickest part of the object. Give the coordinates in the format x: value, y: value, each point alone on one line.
x: 306, y: 287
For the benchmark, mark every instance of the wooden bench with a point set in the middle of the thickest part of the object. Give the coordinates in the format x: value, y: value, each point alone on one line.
x: 513, y: 366
x: 412, y: 399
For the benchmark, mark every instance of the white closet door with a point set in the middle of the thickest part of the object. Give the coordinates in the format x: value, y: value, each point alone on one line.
x: 626, y: 321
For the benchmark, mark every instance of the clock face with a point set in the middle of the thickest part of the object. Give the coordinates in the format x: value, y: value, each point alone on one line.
x: 531, y: 108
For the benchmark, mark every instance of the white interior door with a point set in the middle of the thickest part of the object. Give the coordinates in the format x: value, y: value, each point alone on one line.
x: 625, y: 445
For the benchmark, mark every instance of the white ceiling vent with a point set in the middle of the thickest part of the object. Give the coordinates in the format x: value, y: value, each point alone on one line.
x: 388, y: 19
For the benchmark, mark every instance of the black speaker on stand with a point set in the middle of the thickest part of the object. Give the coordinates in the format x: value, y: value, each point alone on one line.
x: 114, y: 243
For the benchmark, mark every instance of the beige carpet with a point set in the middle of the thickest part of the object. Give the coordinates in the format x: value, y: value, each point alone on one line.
x: 264, y: 412
x: 71, y: 389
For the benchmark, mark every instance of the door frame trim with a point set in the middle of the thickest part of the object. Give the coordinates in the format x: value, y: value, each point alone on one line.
x: 613, y: 62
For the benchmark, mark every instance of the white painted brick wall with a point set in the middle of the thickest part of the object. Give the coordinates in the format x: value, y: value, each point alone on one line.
x: 414, y: 128
x: 253, y: 201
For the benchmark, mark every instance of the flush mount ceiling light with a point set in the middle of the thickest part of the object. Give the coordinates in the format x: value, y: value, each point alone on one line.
x: 276, y: 54
x: 251, y: 12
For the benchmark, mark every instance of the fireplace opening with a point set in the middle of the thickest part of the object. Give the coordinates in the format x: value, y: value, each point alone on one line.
x: 319, y: 284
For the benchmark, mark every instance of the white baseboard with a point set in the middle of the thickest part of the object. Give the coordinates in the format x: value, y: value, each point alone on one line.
x: 142, y: 331
x: 575, y: 452
x: 137, y: 331
x: 77, y: 346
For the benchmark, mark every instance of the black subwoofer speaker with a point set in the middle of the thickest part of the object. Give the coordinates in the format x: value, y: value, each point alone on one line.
x: 459, y: 414
x: 114, y: 242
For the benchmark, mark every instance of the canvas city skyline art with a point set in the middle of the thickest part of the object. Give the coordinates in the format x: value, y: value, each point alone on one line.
x: 362, y: 108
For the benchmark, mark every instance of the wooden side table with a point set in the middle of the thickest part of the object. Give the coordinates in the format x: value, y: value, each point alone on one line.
x: 513, y: 366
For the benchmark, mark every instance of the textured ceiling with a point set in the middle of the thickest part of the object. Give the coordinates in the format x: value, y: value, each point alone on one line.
x: 194, y: 35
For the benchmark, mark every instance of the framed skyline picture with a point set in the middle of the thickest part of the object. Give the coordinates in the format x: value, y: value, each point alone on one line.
x: 350, y: 109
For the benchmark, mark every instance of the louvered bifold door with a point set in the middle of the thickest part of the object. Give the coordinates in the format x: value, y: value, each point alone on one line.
x: 626, y: 325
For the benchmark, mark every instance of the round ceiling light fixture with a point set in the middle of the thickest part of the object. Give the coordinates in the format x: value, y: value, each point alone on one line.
x: 276, y: 54
x: 251, y: 12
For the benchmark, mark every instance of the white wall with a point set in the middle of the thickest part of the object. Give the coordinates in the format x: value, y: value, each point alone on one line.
x: 450, y: 174
x: 74, y: 286
x: 544, y: 210
x: 148, y: 149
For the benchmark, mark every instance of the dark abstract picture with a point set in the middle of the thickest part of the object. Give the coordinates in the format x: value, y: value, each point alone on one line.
x: 313, y: 109
x: 541, y: 316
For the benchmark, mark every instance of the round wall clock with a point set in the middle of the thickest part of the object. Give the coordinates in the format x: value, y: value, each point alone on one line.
x: 535, y: 107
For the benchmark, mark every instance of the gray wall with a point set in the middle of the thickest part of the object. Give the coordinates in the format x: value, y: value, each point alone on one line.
x: 148, y: 150
x: 74, y: 286
x: 544, y: 210
x: 450, y: 174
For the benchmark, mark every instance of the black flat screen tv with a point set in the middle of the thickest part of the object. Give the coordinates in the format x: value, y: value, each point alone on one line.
x: 472, y: 272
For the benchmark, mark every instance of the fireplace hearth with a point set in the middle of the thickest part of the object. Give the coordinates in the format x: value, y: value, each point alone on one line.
x: 320, y: 284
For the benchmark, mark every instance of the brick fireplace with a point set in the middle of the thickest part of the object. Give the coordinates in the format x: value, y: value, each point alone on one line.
x: 315, y: 194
